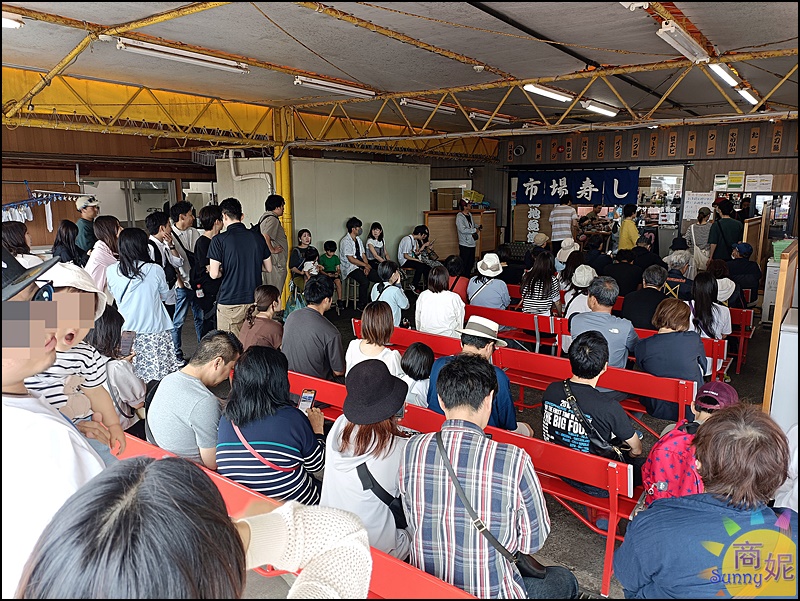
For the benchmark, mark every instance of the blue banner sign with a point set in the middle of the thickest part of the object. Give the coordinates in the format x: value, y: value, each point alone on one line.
x: 606, y: 187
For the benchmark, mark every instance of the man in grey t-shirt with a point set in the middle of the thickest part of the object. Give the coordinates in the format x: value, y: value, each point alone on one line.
x: 183, y: 416
x: 619, y: 332
x: 311, y: 343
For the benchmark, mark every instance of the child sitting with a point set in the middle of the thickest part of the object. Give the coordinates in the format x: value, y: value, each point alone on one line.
x: 330, y: 264
x: 417, y: 363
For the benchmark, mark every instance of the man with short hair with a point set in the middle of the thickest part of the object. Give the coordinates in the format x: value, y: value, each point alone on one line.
x: 743, y: 271
x: 89, y: 208
x: 564, y: 223
x: 500, y: 484
x: 238, y: 257
x: 479, y: 337
x: 618, y: 332
x: 311, y: 343
x: 468, y: 235
x: 272, y: 229
x: 163, y: 251
x: 354, y: 263
x: 184, y: 414
x: 595, y: 257
x: 184, y: 238
x: 639, y: 305
x: 725, y: 231
x: 627, y: 275
x: 644, y: 256
x: 408, y: 255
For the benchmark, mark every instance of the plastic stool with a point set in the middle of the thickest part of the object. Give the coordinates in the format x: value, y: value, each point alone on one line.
x: 350, y: 291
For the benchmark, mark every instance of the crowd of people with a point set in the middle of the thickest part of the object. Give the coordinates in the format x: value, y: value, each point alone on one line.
x: 104, y: 355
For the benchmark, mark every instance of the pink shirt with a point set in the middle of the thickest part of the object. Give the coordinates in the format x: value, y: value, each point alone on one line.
x: 99, y: 261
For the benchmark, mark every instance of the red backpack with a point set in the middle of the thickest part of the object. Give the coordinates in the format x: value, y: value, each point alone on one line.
x: 670, y: 467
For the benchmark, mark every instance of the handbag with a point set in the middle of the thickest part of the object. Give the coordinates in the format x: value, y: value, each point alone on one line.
x: 294, y: 302
x: 527, y: 565
x: 475, y: 235
x: 700, y: 256
x: 615, y: 449
x: 395, y: 504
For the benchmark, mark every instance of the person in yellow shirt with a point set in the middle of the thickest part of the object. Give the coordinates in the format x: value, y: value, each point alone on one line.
x: 628, y: 233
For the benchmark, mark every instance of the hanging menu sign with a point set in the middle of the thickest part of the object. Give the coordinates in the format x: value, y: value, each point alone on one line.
x: 755, y: 136
x: 584, y: 148
x: 777, y: 138
x: 733, y: 140
x: 553, y: 149
x: 635, y: 146
x: 711, y: 149
x: 601, y: 147
x: 653, y: 147
x: 538, y: 152
x: 691, y: 147
x: 672, y: 143
x: 568, y: 149
x: 617, y: 147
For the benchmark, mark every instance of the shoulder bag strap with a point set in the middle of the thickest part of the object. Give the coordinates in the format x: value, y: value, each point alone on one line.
x: 476, y: 521
x: 368, y: 482
x: 124, y: 291
x: 579, y: 414
x: 269, y: 464
x: 477, y: 292
x: 455, y: 281
x: 178, y: 238
x: 722, y: 233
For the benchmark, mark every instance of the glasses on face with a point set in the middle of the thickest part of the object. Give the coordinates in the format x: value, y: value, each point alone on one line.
x: 45, y: 291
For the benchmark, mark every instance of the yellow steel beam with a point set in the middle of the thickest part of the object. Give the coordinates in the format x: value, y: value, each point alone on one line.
x: 396, y: 35
x: 772, y: 91
x: 664, y: 96
x: 713, y: 80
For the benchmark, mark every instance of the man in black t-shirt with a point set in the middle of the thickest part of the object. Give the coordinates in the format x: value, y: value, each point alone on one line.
x: 639, y: 306
x: 588, y: 358
x: 627, y: 275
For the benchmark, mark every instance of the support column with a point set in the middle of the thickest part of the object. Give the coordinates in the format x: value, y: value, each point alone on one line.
x: 283, y: 184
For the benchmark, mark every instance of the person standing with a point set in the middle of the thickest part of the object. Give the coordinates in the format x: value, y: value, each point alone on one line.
x: 467, y: 237
x: 238, y: 257
x: 184, y: 239
x: 206, y: 287
x: 628, y: 232
x: 64, y: 246
x: 499, y: 482
x: 163, y: 252
x: 725, y: 232
x: 697, y: 234
x: 105, y: 251
x: 275, y: 236
x: 354, y: 263
x: 17, y: 241
x: 89, y: 208
x: 564, y: 223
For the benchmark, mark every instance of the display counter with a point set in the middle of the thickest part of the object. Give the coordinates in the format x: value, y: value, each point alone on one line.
x: 442, y: 226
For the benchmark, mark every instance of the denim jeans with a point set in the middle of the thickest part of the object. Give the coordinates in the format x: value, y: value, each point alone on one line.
x: 185, y: 297
x: 559, y: 583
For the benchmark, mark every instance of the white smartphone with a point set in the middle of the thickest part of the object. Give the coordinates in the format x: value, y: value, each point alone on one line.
x: 306, y: 400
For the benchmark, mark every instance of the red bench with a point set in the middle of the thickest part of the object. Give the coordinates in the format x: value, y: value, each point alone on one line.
x: 402, y: 338
x: 520, y: 322
x: 389, y: 574
x: 550, y: 461
x: 743, y: 330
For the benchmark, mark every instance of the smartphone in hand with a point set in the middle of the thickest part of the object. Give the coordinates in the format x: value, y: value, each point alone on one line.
x: 306, y: 400
x: 126, y: 343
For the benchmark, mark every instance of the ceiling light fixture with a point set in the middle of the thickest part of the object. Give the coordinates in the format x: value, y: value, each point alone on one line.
x: 427, y: 106
x: 181, y: 56
x: 542, y: 91
x: 676, y: 37
x: 484, y: 117
x: 725, y: 74
x: 632, y: 6
x: 747, y: 95
x: 12, y: 21
x: 332, y: 86
x: 591, y: 106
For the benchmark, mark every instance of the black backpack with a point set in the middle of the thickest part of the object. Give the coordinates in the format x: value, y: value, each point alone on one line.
x: 169, y: 270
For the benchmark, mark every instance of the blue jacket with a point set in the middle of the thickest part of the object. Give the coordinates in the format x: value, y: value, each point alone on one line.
x: 687, y: 548
x: 504, y: 414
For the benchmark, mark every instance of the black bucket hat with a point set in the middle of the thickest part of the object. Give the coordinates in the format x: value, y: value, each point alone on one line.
x: 373, y: 394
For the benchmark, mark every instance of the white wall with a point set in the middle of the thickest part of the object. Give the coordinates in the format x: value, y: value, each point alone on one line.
x: 326, y: 193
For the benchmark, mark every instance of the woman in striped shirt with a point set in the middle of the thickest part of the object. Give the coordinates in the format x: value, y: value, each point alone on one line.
x: 264, y: 442
x: 539, y: 288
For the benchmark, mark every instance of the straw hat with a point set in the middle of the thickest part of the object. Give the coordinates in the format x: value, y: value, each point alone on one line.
x: 483, y: 328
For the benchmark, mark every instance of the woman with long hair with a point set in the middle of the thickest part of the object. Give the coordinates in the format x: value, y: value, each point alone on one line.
x: 140, y: 287
x: 298, y: 257
x: 539, y: 288
x: 367, y: 435
x: 264, y: 441
x: 106, y: 250
x: 565, y: 282
x: 708, y: 317
x: 259, y: 327
x: 376, y: 329
x: 390, y: 291
x: 438, y: 310
x: 376, y: 249
x: 728, y: 292
x: 17, y: 241
x: 64, y: 246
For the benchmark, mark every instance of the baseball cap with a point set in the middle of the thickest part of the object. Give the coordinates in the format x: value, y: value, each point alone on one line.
x: 16, y: 278
x: 723, y: 393
x: 462, y: 203
x: 69, y: 275
x: 744, y: 249
x: 86, y: 201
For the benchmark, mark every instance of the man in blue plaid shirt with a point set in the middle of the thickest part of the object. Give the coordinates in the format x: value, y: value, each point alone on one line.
x: 500, y: 483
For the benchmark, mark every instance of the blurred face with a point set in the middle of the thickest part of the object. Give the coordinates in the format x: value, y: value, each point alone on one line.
x: 376, y: 232
x: 75, y: 317
x: 305, y: 239
x: 28, y: 239
x: 187, y: 219
x: 29, y: 336
x: 279, y: 210
x: 90, y: 213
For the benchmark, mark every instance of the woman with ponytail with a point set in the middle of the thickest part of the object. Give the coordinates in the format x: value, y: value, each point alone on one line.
x: 709, y: 318
x: 259, y: 327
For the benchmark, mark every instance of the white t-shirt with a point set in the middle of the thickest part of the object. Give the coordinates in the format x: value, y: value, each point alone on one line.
x: 45, y: 460
x: 407, y: 246
x: 354, y: 356
x: 417, y: 390
x: 439, y: 313
x: 579, y: 305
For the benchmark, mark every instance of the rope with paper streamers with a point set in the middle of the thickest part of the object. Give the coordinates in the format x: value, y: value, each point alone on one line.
x: 43, y: 196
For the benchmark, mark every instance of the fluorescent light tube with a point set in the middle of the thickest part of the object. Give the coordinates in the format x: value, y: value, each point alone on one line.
x: 12, y: 21
x: 427, y: 106
x: 332, y: 86
x: 181, y: 56
x: 676, y: 37
x: 542, y: 91
x: 632, y: 6
x: 724, y: 73
x: 590, y: 106
x: 747, y: 95
x: 483, y: 117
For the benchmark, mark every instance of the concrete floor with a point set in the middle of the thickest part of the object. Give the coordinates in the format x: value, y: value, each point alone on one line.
x: 570, y: 543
